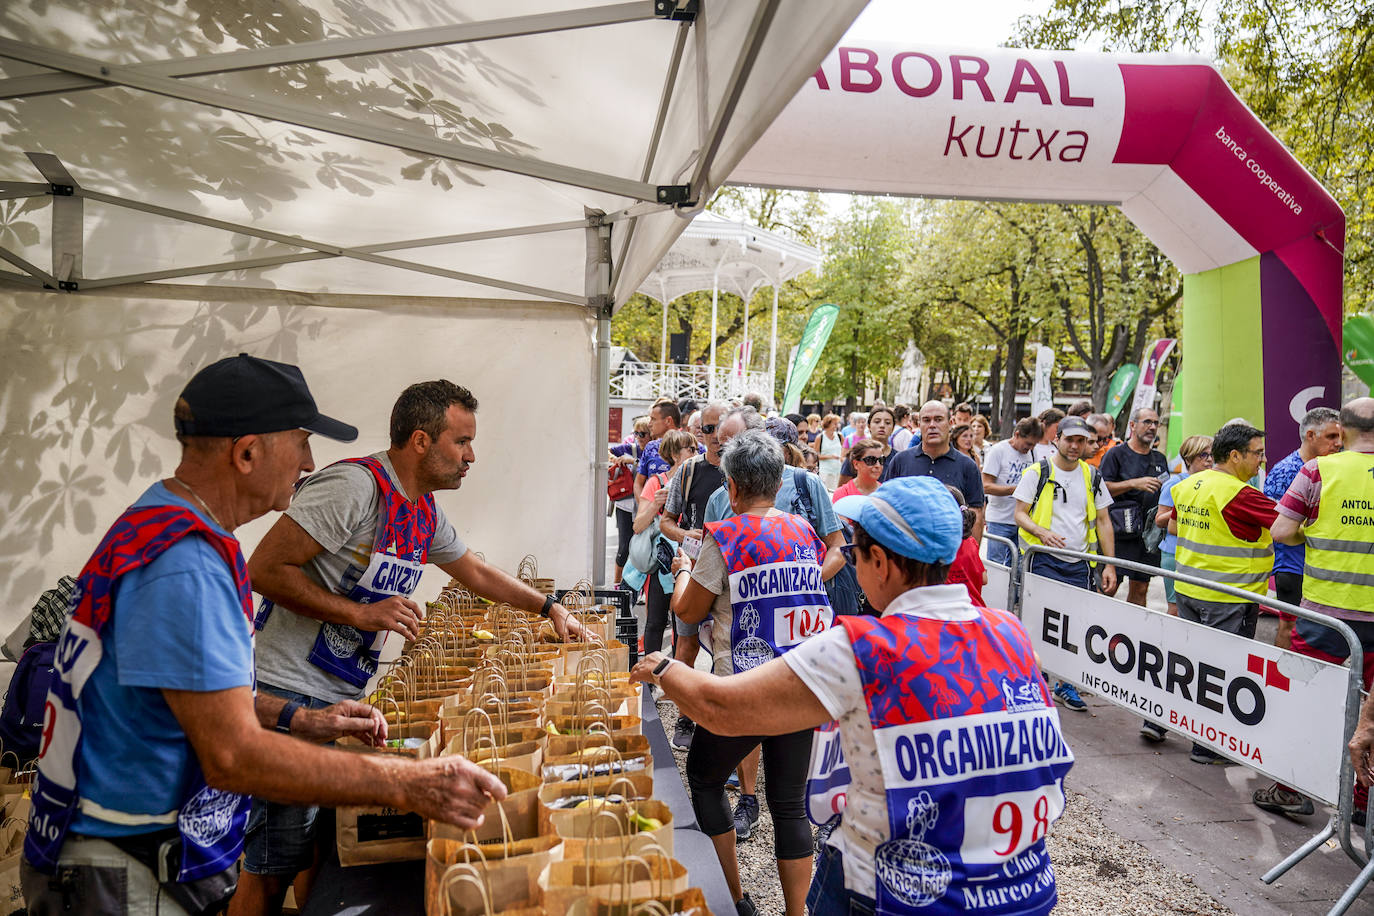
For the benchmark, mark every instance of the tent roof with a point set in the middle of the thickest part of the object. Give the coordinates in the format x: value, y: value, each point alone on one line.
x: 387, y: 146
x: 736, y: 257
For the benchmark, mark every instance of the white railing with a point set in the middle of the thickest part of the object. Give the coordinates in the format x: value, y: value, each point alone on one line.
x: 646, y: 381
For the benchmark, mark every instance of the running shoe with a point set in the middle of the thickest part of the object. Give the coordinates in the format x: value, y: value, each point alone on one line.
x: 1067, y: 695
x: 683, y: 732
x: 746, y: 817
x: 1152, y: 732
x: 1276, y: 798
x: 1204, y: 756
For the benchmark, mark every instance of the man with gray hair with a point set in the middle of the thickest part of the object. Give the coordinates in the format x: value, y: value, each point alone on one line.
x: 1320, y: 431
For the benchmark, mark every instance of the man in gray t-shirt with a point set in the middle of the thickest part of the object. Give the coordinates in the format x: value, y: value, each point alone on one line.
x: 331, y: 593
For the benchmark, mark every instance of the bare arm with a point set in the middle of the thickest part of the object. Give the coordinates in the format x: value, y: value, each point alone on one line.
x: 238, y: 755
x: 640, y: 480
x: 1287, y: 531
x: 346, y: 718
x: 834, y: 560
x: 648, y: 509
x: 980, y: 523
x: 1117, y: 487
x: 1162, y: 516
x: 1106, y: 545
x: 992, y: 488
x: 691, y: 601
x: 276, y: 570
x: 730, y: 706
x: 486, y: 580
x: 1023, y: 521
x: 672, y: 530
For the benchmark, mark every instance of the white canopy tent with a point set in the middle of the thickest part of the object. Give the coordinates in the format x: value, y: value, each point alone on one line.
x: 348, y: 185
x: 716, y: 253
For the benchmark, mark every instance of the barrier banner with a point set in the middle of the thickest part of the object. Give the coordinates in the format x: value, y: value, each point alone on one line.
x: 997, y: 591
x: 1275, y: 711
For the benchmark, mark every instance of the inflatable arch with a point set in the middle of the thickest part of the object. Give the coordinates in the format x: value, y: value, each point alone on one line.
x: 1163, y: 137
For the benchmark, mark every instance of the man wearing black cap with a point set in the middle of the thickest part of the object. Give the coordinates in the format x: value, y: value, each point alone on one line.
x: 153, y: 740
x: 338, y: 570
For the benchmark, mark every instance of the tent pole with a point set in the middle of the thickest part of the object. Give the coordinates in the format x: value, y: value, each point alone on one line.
x: 663, y: 337
x: 599, y: 297
x: 773, y: 349
x: 715, y: 298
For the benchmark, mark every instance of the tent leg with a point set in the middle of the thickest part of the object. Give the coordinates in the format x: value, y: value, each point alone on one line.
x: 599, y: 297
x: 715, y: 299
x: 773, y: 351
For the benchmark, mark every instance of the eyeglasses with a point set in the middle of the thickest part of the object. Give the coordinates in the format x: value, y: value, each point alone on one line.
x: 1257, y: 452
x: 873, y: 461
x: 642, y: 434
x: 708, y: 428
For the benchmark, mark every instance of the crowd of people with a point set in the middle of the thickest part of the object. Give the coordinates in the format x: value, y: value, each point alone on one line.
x: 1062, y: 479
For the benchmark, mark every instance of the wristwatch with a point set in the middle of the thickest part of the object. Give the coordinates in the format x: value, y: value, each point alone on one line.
x: 663, y: 666
x: 549, y: 602
x: 284, y: 717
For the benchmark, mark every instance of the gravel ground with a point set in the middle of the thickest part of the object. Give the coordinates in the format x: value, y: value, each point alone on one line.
x: 1097, y: 871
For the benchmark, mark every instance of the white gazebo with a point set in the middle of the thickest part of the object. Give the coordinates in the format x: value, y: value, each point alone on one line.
x: 735, y: 257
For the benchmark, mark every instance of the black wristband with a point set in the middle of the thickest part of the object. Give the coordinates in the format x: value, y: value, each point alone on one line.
x: 284, y: 717
x: 549, y: 602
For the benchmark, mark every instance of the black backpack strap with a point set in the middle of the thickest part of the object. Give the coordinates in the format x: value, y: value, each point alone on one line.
x: 1044, y: 465
x: 802, y: 500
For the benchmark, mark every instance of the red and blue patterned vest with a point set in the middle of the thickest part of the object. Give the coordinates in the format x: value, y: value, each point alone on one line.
x: 400, y: 547
x: 973, y: 763
x: 776, y: 591
x: 210, y: 821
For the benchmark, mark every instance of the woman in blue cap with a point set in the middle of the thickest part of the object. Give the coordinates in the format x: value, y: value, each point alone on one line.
x: 955, y: 759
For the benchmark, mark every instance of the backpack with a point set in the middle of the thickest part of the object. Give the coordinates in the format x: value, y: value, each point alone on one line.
x: 842, y: 588
x: 21, y: 717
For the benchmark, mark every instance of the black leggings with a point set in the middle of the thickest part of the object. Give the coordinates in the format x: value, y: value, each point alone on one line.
x: 625, y: 529
x: 786, y: 757
x: 656, y: 614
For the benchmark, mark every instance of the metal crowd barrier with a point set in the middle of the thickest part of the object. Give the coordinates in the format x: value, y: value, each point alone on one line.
x: 1011, y: 571
x: 1340, y: 824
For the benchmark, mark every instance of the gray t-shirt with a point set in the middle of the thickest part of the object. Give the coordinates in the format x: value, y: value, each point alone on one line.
x: 337, y: 507
x: 1005, y: 465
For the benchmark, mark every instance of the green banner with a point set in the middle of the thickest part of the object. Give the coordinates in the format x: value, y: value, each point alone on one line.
x: 813, y: 339
x: 1121, y: 388
x: 1358, y: 338
x: 1176, y: 418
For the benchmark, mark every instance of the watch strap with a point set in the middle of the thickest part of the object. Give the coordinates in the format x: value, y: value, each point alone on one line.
x: 662, y: 667
x: 287, y: 713
x: 549, y: 602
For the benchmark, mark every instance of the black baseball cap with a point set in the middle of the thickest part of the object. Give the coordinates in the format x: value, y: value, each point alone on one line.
x: 1075, y: 426
x: 243, y: 395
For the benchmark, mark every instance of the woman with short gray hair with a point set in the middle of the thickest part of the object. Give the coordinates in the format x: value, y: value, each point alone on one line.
x: 758, y: 577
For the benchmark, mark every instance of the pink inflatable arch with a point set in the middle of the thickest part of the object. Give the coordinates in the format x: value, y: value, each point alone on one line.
x: 1163, y: 137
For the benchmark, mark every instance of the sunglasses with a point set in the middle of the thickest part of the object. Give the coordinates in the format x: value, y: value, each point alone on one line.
x: 847, y: 551
x: 873, y: 461
x: 709, y: 428
x: 643, y: 435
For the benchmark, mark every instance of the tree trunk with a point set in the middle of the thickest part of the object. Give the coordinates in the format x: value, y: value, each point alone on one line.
x: 1016, y: 355
x: 995, y: 391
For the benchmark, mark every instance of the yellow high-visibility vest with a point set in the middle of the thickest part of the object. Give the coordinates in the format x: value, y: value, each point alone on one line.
x: 1206, y: 547
x: 1043, y: 511
x: 1339, y: 568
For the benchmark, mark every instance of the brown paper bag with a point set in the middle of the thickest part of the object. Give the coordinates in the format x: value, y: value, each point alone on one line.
x: 691, y: 902
x: 602, y: 831
x: 530, y: 856
x: 593, y: 721
x: 371, y: 836
x: 629, y: 785
x: 651, y: 875
x: 616, y: 653
x: 486, y: 889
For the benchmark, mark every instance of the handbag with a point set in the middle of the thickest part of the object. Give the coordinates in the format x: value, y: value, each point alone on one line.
x: 1126, y: 520
x: 621, y: 483
x: 644, y: 547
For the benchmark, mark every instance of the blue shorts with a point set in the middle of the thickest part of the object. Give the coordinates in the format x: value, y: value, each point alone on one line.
x: 280, y: 839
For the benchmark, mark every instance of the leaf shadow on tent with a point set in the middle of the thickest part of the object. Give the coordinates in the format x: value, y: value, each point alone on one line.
x: 93, y: 387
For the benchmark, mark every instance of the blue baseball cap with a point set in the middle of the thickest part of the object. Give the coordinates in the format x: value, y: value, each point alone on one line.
x: 914, y: 517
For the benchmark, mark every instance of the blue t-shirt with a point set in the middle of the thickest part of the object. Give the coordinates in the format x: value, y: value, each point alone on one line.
x: 1286, y: 558
x: 953, y: 469
x: 822, y: 516
x: 177, y: 624
x: 1166, y: 499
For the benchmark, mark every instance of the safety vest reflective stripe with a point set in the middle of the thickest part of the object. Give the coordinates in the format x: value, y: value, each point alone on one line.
x: 1218, y: 550
x: 1341, y: 545
x: 1043, y: 510
x: 110, y: 815
x: 1339, y: 560
x: 1206, y: 547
